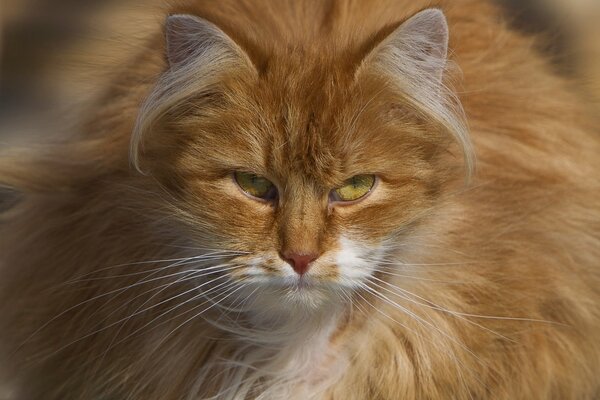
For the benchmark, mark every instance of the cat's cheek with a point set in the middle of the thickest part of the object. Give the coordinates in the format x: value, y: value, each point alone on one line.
x: 354, y: 261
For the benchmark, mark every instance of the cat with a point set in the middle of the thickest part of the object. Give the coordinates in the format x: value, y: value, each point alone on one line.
x: 312, y: 200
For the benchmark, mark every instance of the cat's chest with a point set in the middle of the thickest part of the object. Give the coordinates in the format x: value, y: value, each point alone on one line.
x: 304, y: 367
x: 310, y: 371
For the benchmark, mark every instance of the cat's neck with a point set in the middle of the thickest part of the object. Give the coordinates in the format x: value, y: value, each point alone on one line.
x: 292, y: 353
x: 295, y: 351
x: 300, y: 326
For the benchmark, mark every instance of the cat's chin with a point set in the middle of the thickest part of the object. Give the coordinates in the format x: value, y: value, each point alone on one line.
x: 297, y: 293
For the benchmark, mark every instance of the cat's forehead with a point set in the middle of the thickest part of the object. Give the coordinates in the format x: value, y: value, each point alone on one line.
x: 313, y: 81
x: 313, y: 104
x: 307, y: 118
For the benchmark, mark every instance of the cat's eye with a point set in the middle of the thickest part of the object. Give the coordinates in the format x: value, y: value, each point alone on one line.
x: 255, y: 185
x: 354, y: 188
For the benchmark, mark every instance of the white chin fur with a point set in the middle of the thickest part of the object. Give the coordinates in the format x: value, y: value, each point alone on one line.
x: 291, y: 326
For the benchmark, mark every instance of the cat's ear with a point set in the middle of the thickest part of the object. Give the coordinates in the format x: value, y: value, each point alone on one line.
x: 416, y: 49
x: 413, y: 58
x: 190, y: 38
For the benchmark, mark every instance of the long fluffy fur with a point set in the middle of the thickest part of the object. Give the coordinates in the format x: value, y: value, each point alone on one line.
x: 489, y: 291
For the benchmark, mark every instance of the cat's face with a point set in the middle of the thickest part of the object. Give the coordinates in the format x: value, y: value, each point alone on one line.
x: 312, y: 169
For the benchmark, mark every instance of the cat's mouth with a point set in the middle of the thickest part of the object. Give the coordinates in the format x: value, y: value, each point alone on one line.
x: 300, y: 283
x: 306, y: 292
x: 324, y: 275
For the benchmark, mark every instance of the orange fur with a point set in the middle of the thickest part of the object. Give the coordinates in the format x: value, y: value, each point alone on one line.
x: 489, y: 290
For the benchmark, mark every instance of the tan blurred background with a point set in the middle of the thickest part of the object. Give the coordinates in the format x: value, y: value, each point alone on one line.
x: 56, y: 54
x: 581, y: 20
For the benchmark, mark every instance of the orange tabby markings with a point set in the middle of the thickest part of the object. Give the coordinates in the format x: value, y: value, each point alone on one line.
x: 136, y: 258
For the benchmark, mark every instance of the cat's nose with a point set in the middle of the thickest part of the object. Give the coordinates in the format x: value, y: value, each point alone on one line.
x: 300, y: 262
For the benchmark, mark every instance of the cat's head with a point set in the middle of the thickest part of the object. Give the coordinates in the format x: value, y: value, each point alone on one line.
x: 313, y: 160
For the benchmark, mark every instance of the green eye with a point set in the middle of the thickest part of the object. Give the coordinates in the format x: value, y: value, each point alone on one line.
x: 255, y: 186
x: 354, y: 188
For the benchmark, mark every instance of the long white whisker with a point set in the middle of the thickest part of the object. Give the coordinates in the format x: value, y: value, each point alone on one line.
x: 419, y: 278
x: 177, y: 262
x: 423, y: 321
x: 231, y: 292
x: 438, y: 330
x: 384, y: 261
x: 383, y: 313
x: 115, y: 291
x: 450, y: 354
x: 435, y: 307
x: 192, y: 276
x: 458, y: 313
x: 195, y: 288
x: 94, y: 333
x: 197, y: 273
x: 216, y: 287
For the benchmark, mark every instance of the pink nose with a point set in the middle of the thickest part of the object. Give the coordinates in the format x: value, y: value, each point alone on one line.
x: 300, y: 262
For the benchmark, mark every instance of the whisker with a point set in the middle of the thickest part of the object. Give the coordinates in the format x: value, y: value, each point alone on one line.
x: 401, y: 264
x: 421, y: 320
x: 229, y: 293
x: 436, y: 329
x: 147, y: 271
x: 211, y: 250
x: 176, y: 262
x: 419, y: 278
x: 200, y: 272
x: 435, y: 307
x: 88, y: 335
x: 216, y: 287
x: 232, y: 307
x: 195, y: 288
x: 473, y: 315
x: 115, y: 291
x: 345, y: 296
x: 192, y: 276
x: 383, y: 313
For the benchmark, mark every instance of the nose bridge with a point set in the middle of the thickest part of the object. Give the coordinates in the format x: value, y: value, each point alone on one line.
x: 301, y: 224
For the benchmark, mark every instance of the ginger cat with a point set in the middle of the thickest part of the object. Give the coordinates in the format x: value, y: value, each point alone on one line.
x: 312, y: 200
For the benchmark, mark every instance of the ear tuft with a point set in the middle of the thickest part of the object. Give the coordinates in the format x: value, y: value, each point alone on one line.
x: 413, y: 58
x: 189, y: 37
x: 425, y: 37
x: 418, y: 47
x: 198, y: 53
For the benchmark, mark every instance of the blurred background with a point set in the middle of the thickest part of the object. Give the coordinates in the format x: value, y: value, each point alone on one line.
x: 55, y: 54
